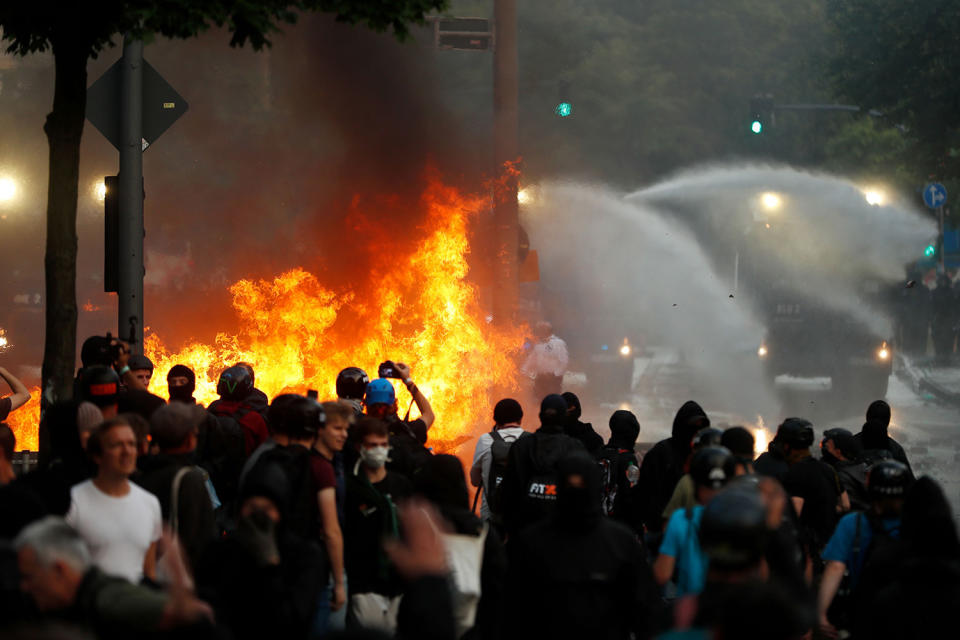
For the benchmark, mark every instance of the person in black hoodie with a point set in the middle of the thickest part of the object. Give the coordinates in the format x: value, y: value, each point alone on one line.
x: 578, y: 574
x: 874, y: 439
x: 662, y: 467
x: 619, y: 458
x: 441, y: 481
x: 582, y: 431
x: 262, y: 579
x: 529, y: 486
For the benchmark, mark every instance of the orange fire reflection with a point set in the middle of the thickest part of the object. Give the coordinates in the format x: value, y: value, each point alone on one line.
x: 299, y: 332
x: 23, y: 422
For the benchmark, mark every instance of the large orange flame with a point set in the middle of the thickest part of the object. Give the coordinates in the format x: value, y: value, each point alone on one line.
x: 298, y: 332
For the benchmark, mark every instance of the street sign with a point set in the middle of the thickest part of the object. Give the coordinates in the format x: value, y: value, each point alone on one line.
x: 934, y: 195
x: 162, y: 106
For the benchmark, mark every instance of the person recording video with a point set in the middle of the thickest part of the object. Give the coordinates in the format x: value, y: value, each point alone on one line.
x: 407, y: 437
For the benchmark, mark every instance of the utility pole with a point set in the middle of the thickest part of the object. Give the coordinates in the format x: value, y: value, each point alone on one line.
x: 130, y: 236
x: 506, y: 149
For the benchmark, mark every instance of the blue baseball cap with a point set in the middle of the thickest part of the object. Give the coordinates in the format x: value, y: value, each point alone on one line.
x: 380, y: 391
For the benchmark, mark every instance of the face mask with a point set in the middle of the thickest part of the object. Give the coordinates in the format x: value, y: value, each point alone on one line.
x: 375, y: 457
x: 183, y: 393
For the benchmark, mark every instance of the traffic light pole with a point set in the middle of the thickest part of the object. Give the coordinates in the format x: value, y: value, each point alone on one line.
x: 505, y: 133
x: 130, y: 232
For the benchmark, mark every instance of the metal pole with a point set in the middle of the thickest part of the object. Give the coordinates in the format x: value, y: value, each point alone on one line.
x: 505, y: 133
x: 131, y: 271
x: 941, y: 240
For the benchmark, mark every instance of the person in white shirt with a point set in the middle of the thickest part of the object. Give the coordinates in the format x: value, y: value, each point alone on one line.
x: 507, y: 418
x: 547, y: 362
x: 119, y: 521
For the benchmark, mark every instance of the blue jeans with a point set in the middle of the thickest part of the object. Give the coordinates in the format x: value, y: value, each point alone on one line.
x: 325, y: 619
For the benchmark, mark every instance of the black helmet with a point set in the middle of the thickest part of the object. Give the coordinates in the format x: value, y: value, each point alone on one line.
x: 709, y: 437
x: 295, y: 415
x: 796, y: 433
x: 99, y: 385
x: 352, y: 383
x: 712, y: 467
x: 887, y: 478
x: 235, y: 383
x: 733, y: 529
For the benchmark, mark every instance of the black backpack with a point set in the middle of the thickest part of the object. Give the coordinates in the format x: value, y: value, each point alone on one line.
x: 540, y: 492
x: 499, y: 453
x: 615, y: 482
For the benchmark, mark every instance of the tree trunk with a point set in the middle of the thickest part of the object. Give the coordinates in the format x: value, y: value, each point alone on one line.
x: 64, y: 128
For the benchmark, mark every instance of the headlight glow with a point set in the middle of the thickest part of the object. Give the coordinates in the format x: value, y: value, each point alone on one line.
x: 762, y: 351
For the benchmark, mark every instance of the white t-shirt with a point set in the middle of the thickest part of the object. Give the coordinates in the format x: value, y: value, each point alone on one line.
x: 118, y: 530
x: 482, y: 459
x: 547, y: 357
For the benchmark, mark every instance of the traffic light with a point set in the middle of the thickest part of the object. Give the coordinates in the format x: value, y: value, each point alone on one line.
x: 930, y: 250
x: 564, y: 107
x: 761, y: 113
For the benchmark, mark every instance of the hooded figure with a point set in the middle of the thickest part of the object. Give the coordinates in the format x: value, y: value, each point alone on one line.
x: 582, y: 431
x: 442, y: 482
x: 662, y: 467
x: 528, y: 489
x: 874, y: 438
x: 262, y: 579
x: 621, y: 470
x: 578, y: 574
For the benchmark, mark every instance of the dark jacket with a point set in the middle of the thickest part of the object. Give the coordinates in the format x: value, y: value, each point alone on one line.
x: 532, y: 455
x: 370, y: 518
x: 662, y: 467
x: 196, y: 526
x: 263, y: 601
x: 578, y: 574
x: 873, y: 437
x: 583, y: 431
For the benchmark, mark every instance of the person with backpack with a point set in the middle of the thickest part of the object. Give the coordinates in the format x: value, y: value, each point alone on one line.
x: 478, y: 564
x: 232, y: 409
x: 840, y: 450
x: 857, y: 538
x: 407, y: 437
x: 875, y: 440
x: 619, y: 471
x: 529, y: 488
x: 680, y: 553
x: 490, y: 458
x: 186, y: 504
x: 371, y: 517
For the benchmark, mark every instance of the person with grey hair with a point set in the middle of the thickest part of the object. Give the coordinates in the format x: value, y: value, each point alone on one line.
x: 89, y: 417
x: 173, y: 477
x: 57, y: 572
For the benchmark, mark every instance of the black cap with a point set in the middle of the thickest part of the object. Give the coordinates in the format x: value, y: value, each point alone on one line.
x: 507, y: 410
x: 709, y: 437
x: 733, y: 529
x: 740, y: 442
x: 887, y: 478
x: 796, y: 433
x: 96, y: 351
x: 712, y: 467
x: 296, y: 416
x: 553, y: 409
x: 138, y: 362
x: 845, y: 442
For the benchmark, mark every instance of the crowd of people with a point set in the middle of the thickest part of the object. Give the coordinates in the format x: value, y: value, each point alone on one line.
x: 300, y: 518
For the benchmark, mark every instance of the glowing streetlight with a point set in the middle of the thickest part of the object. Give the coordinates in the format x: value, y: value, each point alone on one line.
x: 771, y: 201
x: 874, y: 197
x: 99, y: 190
x: 524, y: 196
x: 8, y: 189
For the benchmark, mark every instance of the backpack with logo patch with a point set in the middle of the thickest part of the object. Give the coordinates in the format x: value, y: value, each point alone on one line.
x: 619, y: 472
x: 540, y: 492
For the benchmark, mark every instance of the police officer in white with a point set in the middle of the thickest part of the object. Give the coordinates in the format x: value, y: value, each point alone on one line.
x: 119, y: 521
x: 547, y: 362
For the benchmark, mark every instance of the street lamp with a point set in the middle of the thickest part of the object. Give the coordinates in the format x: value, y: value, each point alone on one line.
x: 99, y: 190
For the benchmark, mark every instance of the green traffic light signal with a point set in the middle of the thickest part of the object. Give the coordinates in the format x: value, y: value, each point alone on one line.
x: 929, y: 251
x: 756, y: 126
x: 563, y: 109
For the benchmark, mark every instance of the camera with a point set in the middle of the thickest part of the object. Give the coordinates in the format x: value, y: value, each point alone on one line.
x: 388, y: 370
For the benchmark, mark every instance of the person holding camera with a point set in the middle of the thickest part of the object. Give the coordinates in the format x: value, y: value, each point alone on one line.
x: 407, y: 437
